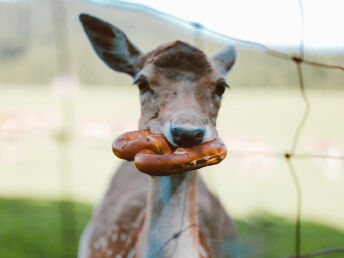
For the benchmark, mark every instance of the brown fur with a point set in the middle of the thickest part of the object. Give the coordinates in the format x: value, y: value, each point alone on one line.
x: 177, y: 60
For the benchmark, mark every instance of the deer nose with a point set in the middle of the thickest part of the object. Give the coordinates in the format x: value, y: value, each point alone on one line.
x: 187, y: 137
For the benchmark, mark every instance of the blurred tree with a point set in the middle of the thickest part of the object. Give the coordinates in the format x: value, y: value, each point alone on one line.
x: 15, y: 27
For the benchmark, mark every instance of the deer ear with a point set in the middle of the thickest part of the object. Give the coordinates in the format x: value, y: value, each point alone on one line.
x: 111, y: 45
x: 224, y: 59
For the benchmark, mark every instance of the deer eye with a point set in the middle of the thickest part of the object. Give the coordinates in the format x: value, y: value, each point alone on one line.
x: 220, y: 88
x: 142, y: 84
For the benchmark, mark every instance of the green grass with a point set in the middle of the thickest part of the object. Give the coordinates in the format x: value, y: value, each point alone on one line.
x: 268, y: 236
x: 33, y: 229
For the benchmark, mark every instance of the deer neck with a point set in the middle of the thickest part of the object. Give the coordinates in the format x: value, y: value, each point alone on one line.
x: 171, y: 224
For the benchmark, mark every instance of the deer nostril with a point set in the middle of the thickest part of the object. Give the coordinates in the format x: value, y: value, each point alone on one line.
x: 187, y: 137
x: 200, y: 134
x: 175, y: 132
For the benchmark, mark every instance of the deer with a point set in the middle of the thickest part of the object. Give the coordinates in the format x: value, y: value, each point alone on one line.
x: 175, y: 216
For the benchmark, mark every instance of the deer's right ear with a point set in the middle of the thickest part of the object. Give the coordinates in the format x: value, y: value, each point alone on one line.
x: 111, y: 45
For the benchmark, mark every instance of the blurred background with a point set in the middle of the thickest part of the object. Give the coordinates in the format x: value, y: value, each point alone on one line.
x: 61, y: 107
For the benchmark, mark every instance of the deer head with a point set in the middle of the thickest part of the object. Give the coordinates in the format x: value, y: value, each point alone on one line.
x: 180, y: 87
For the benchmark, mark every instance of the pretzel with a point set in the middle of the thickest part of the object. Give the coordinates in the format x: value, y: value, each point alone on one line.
x: 153, y: 155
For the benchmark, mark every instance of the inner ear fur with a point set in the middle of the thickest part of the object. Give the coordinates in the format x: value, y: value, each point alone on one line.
x: 111, y: 44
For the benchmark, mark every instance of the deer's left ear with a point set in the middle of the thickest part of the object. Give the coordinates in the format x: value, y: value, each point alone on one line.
x: 111, y: 45
x: 224, y: 59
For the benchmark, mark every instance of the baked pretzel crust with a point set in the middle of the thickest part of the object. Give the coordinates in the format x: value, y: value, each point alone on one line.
x: 155, y: 156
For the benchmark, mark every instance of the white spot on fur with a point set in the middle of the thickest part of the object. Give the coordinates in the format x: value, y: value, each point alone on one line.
x: 96, y: 245
x: 103, y: 242
x: 100, y: 243
x: 114, y: 237
x: 123, y: 236
x: 118, y: 256
x: 109, y: 252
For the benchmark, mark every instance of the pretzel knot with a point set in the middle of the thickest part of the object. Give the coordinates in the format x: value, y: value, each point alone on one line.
x: 153, y: 155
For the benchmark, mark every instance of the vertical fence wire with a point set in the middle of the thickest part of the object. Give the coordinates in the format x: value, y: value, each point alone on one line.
x: 68, y: 234
x: 296, y: 137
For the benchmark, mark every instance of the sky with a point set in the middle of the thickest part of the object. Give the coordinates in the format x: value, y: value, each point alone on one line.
x: 272, y: 22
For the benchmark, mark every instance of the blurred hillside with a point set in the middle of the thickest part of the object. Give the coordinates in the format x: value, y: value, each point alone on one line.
x: 28, y: 48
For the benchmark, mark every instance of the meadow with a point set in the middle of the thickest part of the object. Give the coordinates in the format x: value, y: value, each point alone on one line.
x: 56, y: 145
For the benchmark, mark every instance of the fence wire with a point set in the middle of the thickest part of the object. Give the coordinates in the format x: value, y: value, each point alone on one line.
x: 299, y: 61
x: 67, y: 209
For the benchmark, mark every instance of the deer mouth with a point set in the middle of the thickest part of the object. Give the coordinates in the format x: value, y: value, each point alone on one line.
x: 155, y: 156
